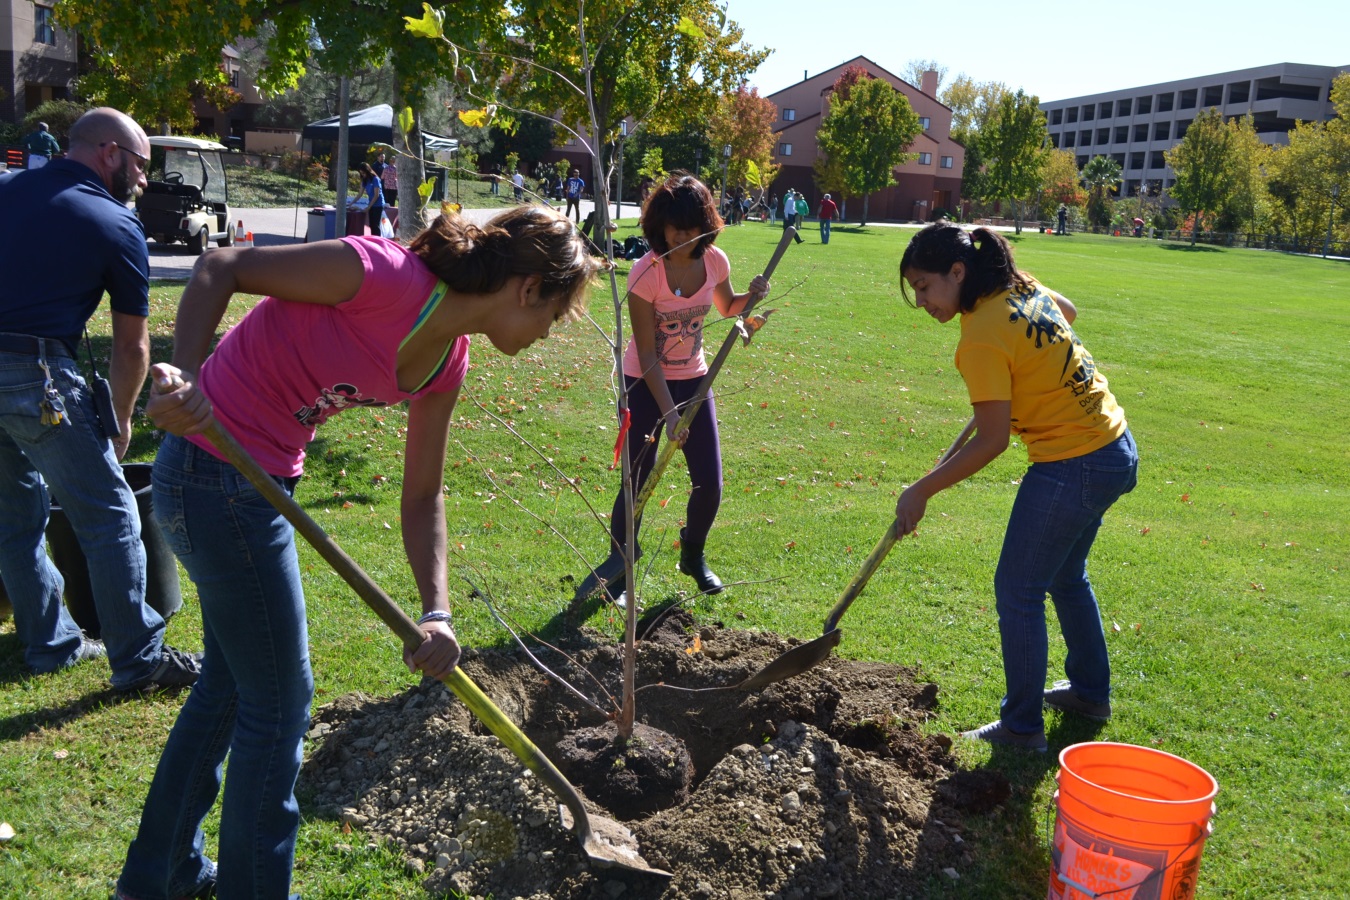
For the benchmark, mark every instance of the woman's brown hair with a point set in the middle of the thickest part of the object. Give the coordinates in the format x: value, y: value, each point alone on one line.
x: 987, y: 256
x: 685, y: 202
x: 526, y: 240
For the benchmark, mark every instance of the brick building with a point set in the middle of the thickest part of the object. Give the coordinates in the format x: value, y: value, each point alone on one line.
x: 931, y: 181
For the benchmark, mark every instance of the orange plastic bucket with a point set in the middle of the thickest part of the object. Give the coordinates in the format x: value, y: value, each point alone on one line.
x: 1130, y: 823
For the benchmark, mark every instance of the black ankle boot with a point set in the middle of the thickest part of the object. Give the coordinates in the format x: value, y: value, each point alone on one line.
x: 693, y: 564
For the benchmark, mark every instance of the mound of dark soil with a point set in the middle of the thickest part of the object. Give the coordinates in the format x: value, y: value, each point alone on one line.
x: 819, y: 786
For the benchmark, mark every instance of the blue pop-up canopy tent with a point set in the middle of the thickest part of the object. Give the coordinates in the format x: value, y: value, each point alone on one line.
x: 373, y: 125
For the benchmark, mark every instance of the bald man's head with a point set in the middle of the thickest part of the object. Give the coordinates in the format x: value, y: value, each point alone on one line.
x: 114, y: 146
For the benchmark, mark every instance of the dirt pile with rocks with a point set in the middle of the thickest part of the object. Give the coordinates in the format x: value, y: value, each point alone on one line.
x: 819, y: 786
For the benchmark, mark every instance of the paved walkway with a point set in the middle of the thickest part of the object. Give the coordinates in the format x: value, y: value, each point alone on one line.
x: 287, y: 226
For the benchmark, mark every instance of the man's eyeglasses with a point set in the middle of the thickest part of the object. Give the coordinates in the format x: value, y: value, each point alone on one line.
x: 145, y: 160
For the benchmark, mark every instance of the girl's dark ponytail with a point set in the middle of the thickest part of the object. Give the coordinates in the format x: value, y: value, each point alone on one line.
x: 987, y: 256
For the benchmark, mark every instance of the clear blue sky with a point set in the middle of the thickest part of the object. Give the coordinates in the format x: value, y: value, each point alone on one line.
x: 1051, y: 49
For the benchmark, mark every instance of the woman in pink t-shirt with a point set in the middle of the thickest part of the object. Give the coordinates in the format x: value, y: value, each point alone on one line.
x: 362, y: 321
x: 671, y: 292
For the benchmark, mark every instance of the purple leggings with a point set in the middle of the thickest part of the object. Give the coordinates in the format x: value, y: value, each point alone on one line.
x: 702, y: 453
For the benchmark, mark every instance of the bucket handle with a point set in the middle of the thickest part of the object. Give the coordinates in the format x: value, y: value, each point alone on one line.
x: 1088, y: 892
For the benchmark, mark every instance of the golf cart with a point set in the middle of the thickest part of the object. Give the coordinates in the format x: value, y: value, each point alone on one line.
x: 190, y: 202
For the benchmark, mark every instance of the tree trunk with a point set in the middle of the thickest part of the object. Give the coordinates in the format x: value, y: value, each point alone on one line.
x: 1195, y: 227
x: 866, y: 200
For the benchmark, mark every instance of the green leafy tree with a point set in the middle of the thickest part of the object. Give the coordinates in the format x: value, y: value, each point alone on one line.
x: 1012, y: 144
x: 653, y: 165
x: 868, y: 128
x: 972, y: 103
x: 1205, y: 165
x: 664, y: 67
x: 1101, y: 175
x: 1248, y: 207
x: 1309, y: 179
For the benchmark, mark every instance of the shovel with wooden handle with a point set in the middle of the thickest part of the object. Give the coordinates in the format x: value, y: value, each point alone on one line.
x: 814, y: 652
x: 701, y: 392
x: 605, y: 842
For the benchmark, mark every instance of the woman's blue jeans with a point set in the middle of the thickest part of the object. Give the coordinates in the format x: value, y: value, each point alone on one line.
x: 1054, y: 521
x: 252, y: 699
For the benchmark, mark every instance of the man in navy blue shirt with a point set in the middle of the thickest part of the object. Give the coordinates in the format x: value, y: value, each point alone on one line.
x: 69, y: 236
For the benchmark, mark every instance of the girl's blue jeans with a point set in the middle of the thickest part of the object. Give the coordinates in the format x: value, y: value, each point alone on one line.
x: 1054, y: 521
x: 251, y: 701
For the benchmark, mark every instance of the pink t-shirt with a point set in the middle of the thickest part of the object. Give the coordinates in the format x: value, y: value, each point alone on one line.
x: 287, y: 367
x: 679, y: 320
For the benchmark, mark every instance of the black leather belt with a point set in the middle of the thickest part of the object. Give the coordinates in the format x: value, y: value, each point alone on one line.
x: 26, y: 343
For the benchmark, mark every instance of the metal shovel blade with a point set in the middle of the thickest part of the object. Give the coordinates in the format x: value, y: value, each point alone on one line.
x: 813, y: 653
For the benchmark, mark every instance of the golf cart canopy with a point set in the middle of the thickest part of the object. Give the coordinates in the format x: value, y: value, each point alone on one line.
x: 196, y: 162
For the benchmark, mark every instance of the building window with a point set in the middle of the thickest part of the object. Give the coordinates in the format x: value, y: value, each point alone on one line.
x: 234, y: 78
x: 784, y: 149
x: 1103, y: 136
x: 1054, y: 141
x: 1141, y: 131
x: 1085, y: 138
x: 925, y: 159
x: 1156, y: 160
x: 1136, y: 160
x: 1068, y: 139
x: 1122, y: 134
x: 789, y: 115
x: 1214, y: 96
x: 1187, y: 100
x: 1056, y: 117
x: 1144, y: 106
x: 1165, y: 102
x: 1104, y: 110
x: 925, y: 123
x: 1073, y: 114
x: 947, y: 162
x: 1162, y: 131
x: 43, y: 30
x: 1123, y: 107
x: 1088, y: 112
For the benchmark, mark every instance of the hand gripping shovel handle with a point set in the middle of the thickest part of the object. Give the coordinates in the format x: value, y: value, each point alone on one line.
x: 411, y: 636
x: 668, y: 451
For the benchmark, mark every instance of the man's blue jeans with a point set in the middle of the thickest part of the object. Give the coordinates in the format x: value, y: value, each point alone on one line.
x: 77, y: 464
x: 1054, y: 521
x: 252, y: 699
x: 824, y: 231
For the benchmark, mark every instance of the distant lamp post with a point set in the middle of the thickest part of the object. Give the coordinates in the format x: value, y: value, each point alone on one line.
x: 1331, y: 219
x: 726, y: 161
x: 618, y: 195
x: 698, y: 162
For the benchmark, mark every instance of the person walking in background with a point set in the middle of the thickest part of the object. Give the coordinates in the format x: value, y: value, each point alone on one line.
x: 53, y: 441
x: 495, y: 180
x: 773, y: 208
x: 1028, y: 374
x: 803, y: 210
x: 518, y: 185
x: 1061, y: 220
x: 572, y: 189
x: 373, y: 193
x: 355, y: 322
x: 41, y: 146
x: 389, y: 181
x: 789, y: 208
x: 827, y: 213
x: 672, y: 290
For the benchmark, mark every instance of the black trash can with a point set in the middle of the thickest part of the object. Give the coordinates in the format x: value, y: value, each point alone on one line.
x: 162, y: 590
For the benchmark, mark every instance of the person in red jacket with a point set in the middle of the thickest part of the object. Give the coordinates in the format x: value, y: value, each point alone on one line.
x: 826, y: 214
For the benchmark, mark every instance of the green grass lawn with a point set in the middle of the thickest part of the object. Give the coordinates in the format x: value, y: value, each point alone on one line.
x: 1222, y: 577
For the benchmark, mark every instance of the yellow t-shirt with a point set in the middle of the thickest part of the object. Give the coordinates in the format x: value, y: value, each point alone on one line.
x: 1019, y: 347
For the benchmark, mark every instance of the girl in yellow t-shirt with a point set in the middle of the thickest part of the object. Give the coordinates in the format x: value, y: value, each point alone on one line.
x: 1027, y: 374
